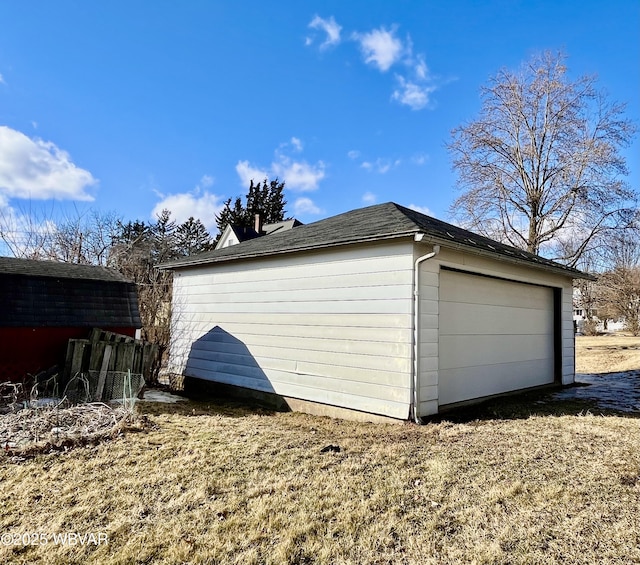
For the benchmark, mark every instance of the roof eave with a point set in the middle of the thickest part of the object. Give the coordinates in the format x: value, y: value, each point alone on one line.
x: 181, y: 264
x: 559, y: 270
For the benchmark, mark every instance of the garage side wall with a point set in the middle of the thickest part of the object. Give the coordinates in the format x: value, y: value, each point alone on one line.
x: 430, y: 295
x: 332, y: 327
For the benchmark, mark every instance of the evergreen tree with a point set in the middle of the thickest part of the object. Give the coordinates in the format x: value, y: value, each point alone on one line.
x: 138, y: 248
x: 236, y: 216
x: 192, y: 237
x: 265, y: 198
x: 163, y: 234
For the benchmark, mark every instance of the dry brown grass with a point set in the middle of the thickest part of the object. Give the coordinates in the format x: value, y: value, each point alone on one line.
x: 219, y: 483
x: 608, y: 353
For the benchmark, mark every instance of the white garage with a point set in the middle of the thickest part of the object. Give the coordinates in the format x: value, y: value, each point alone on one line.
x: 380, y: 312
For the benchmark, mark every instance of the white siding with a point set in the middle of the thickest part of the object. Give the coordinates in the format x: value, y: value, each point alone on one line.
x: 568, y: 336
x: 335, y: 326
x: 428, y: 335
x: 331, y: 327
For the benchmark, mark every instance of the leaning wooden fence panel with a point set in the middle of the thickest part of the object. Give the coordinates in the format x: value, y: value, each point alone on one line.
x: 101, y: 364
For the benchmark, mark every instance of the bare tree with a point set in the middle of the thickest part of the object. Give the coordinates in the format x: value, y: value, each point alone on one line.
x: 85, y: 239
x: 586, y: 295
x: 541, y: 168
x: 618, y: 289
x: 79, y: 238
x: 25, y: 232
x: 138, y: 248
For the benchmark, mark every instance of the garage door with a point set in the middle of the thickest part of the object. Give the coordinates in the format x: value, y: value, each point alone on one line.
x: 495, y: 336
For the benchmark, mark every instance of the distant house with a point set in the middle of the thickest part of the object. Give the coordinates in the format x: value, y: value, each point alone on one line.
x: 45, y: 303
x: 380, y: 311
x: 232, y: 234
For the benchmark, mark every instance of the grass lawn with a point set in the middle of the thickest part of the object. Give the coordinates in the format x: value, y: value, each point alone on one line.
x: 510, y: 482
x: 607, y: 353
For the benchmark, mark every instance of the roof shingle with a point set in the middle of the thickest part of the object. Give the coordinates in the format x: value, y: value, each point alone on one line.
x: 379, y: 222
x: 37, y: 268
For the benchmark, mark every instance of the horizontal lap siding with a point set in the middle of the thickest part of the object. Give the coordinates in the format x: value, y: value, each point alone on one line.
x: 568, y: 337
x: 428, y: 336
x: 332, y: 327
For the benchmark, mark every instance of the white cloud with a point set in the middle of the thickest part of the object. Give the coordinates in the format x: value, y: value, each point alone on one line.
x: 421, y: 70
x: 380, y: 165
x: 2, y: 79
x: 330, y: 27
x: 23, y: 232
x: 353, y: 154
x: 414, y: 91
x: 299, y: 175
x: 420, y: 158
x: 39, y: 170
x: 380, y: 47
x: 202, y: 205
x: 206, y: 181
x: 369, y: 198
x: 247, y: 173
x: 422, y: 209
x: 412, y: 94
x: 305, y: 206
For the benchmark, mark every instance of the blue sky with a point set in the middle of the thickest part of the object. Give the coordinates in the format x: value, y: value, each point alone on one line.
x: 131, y: 106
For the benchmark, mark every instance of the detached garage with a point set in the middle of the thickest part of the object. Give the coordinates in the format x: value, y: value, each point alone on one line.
x: 378, y: 312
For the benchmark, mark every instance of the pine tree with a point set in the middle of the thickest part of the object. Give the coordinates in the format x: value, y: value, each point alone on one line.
x: 265, y: 199
x: 192, y: 237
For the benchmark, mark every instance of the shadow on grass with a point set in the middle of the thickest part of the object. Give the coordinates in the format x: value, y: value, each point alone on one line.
x: 204, y: 405
x: 532, y: 403
x: 557, y: 401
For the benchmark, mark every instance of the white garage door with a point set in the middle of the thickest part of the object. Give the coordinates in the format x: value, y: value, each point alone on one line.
x: 495, y: 336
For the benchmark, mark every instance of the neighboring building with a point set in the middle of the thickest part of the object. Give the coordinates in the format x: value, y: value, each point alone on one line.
x: 232, y: 235
x: 380, y: 311
x: 585, y: 315
x: 45, y: 303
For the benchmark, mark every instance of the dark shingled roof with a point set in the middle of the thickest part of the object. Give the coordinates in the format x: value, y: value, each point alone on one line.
x: 31, y: 267
x: 244, y: 233
x: 379, y: 222
x: 50, y: 294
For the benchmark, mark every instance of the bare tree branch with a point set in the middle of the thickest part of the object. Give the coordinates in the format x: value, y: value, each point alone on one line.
x: 542, y: 163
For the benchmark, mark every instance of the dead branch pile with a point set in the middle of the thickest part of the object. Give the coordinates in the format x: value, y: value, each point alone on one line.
x: 40, y: 430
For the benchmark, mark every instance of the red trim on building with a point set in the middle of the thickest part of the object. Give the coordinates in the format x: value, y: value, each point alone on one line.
x: 27, y: 351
